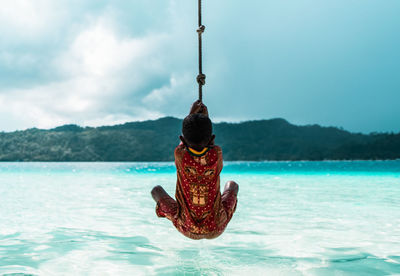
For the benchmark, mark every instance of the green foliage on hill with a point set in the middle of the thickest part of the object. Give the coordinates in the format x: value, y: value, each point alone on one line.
x: 274, y: 139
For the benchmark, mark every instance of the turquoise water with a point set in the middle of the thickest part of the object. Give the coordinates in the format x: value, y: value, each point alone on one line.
x: 293, y: 218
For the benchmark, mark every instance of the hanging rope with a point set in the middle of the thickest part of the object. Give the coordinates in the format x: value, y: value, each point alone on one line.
x: 201, y: 78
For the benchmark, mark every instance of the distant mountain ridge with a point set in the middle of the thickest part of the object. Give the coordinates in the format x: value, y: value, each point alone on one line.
x: 155, y: 140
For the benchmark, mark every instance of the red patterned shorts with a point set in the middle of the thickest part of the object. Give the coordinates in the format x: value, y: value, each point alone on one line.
x: 168, y: 207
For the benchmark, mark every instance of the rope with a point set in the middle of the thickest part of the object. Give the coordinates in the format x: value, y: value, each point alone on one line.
x: 201, y: 78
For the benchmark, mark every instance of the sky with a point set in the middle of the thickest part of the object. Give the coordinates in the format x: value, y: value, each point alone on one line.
x: 98, y: 62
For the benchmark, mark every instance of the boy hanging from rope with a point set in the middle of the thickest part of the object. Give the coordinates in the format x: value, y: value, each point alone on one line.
x: 199, y: 210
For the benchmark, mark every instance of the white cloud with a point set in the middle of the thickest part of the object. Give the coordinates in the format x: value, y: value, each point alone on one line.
x: 99, y: 71
x: 27, y: 19
x: 112, y: 119
x: 170, y: 92
x: 80, y: 100
x: 79, y: 64
x: 97, y: 51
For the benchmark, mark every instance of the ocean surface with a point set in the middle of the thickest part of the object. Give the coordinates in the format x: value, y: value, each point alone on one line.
x: 292, y: 218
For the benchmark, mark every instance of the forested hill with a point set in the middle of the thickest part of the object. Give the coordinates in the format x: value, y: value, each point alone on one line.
x: 274, y: 139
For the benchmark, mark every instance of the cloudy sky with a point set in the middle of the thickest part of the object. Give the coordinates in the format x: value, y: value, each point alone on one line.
x: 98, y: 62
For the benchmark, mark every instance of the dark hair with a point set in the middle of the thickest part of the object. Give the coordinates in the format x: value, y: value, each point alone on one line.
x: 197, y: 128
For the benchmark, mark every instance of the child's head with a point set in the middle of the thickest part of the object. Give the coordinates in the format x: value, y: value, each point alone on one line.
x: 197, y: 131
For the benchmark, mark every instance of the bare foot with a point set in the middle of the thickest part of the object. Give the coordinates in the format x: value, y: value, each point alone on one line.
x: 158, y: 192
x: 232, y: 185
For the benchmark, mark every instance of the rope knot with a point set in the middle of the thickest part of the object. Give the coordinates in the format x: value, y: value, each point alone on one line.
x: 201, y: 79
x: 201, y: 29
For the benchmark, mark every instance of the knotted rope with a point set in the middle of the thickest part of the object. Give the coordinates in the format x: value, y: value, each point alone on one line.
x: 201, y: 78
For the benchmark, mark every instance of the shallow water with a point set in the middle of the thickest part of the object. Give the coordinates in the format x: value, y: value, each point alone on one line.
x: 293, y: 218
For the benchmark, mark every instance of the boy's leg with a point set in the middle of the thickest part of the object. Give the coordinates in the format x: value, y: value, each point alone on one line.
x: 229, y: 197
x: 158, y: 192
x: 166, y: 205
x: 231, y: 186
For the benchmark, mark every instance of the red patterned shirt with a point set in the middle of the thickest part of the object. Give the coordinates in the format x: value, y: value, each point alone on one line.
x: 200, y: 212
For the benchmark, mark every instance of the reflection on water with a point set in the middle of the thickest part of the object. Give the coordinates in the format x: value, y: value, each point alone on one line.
x: 98, y: 219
